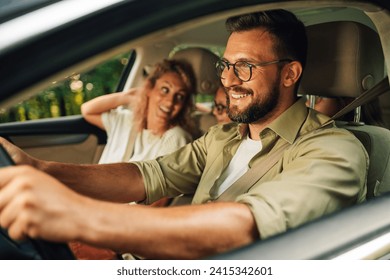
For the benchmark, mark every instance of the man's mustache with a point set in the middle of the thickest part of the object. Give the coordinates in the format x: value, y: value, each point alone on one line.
x: 237, y: 89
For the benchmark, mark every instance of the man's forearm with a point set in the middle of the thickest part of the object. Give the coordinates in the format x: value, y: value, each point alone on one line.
x: 117, y: 182
x: 182, y: 232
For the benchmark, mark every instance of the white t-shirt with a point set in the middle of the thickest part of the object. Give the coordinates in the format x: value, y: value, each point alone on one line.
x: 239, y: 164
x: 118, y: 124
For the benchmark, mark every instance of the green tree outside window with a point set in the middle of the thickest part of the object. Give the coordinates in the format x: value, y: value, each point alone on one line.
x: 65, y: 98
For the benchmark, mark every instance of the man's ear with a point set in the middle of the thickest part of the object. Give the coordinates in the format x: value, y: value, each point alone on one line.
x: 292, y: 73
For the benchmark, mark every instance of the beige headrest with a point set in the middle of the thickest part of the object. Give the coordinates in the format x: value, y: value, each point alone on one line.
x: 344, y: 60
x: 203, y: 62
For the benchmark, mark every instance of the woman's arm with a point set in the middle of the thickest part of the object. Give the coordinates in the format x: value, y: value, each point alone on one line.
x: 93, y: 109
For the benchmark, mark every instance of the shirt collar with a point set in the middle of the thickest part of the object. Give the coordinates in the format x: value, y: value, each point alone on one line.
x: 290, y: 122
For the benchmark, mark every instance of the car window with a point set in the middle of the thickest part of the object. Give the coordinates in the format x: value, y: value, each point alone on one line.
x: 64, y: 98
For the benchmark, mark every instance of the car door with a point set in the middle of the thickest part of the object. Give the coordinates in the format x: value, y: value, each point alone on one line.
x: 66, y: 139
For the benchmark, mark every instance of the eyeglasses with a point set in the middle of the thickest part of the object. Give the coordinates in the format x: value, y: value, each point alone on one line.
x: 220, y: 108
x: 242, y: 69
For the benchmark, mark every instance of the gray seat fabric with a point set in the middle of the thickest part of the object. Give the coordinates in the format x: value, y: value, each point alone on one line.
x: 376, y: 140
x: 344, y: 60
x: 203, y: 62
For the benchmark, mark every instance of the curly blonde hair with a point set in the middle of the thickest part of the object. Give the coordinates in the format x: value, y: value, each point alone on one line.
x: 186, y: 73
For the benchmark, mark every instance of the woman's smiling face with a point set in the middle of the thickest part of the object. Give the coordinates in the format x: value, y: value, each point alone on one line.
x: 166, y: 98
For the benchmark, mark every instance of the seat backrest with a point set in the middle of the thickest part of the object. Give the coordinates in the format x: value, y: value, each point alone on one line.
x: 203, y: 62
x: 344, y: 60
x: 376, y: 140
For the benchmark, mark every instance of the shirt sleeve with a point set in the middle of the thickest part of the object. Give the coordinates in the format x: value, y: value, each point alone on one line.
x: 316, y: 176
x: 108, y: 119
x: 176, y: 173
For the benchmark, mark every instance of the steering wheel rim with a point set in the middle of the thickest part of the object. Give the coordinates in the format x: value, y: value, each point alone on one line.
x: 32, y: 249
x: 29, y: 249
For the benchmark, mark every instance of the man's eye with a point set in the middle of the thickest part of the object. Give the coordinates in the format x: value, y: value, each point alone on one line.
x: 243, y: 65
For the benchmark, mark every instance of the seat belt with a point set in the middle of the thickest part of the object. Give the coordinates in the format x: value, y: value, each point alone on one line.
x: 130, y: 145
x: 253, y: 175
x: 248, y: 179
x: 368, y: 95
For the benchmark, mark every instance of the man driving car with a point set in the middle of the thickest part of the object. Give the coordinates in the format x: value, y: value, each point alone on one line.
x: 321, y: 170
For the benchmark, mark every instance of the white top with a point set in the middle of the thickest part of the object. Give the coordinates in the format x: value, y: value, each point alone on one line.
x: 118, y: 124
x: 239, y: 164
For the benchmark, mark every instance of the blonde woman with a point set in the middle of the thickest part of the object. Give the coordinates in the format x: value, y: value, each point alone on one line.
x: 158, y: 113
x: 156, y: 116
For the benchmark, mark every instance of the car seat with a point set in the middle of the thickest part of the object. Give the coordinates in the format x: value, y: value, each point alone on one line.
x: 344, y: 60
x: 203, y: 62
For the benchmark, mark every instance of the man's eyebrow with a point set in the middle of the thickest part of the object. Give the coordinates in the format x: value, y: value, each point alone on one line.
x: 246, y: 59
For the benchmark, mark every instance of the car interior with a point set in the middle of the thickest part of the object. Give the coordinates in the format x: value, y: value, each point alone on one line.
x: 342, y: 64
x: 203, y: 63
x: 346, y: 59
x: 206, y: 33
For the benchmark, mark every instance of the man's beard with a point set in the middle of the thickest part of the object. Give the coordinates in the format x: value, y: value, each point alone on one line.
x: 258, y: 109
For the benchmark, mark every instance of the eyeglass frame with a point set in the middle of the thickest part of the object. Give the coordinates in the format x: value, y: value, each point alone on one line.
x: 219, y: 107
x: 250, y: 66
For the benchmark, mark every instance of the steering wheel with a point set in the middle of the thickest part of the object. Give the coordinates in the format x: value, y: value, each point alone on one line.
x: 29, y: 249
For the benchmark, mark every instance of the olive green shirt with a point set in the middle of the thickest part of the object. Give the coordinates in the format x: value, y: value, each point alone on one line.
x: 323, y: 170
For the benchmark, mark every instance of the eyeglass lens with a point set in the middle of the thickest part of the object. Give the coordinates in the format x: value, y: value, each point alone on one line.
x: 220, y: 108
x: 241, y: 69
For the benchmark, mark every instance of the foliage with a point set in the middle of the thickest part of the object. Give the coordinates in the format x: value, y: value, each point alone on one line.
x: 65, y: 98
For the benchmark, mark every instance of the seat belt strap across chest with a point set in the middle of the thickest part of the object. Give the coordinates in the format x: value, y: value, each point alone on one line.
x: 253, y: 175
x: 368, y: 95
x: 130, y: 145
